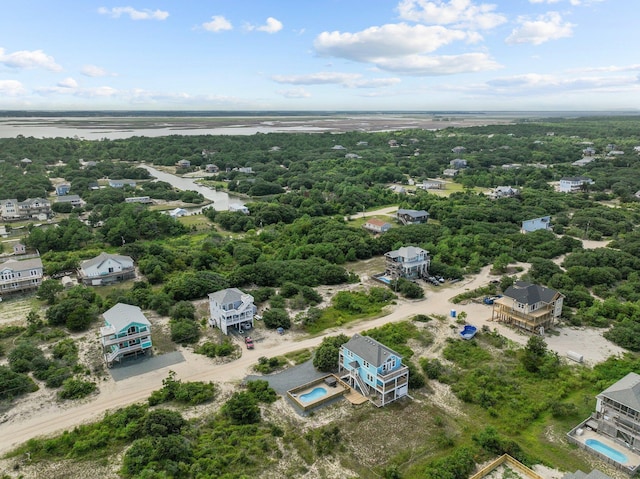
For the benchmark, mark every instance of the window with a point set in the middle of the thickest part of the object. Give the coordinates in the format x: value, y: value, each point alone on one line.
x: 369, y: 378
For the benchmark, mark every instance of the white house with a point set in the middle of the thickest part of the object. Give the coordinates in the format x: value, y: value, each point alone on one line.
x: 377, y: 226
x: 572, y: 184
x: 231, y: 308
x: 18, y: 275
x: 178, y: 212
x: 106, y: 268
x: 239, y: 208
x: 542, y: 223
x: 126, y: 332
x: 407, y: 262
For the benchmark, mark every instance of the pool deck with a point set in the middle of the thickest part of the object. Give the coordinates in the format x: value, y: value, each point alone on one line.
x: 332, y: 392
x: 633, y: 458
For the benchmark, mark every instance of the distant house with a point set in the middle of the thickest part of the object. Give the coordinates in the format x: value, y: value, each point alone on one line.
x: 26, y: 161
x: 583, y: 161
x: 31, y: 208
x: 374, y: 369
x: 183, y: 164
x: 126, y: 332
x: 19, y: 248
x: 450, y: 172
x: 106, y: 268
x: 338, y: 147
x: 589, y: 151
x: 211, y: 168
x: 458, y: 163
x: 75, y: 200
x: 239, y: 208
x: 574, y: 183
x: 231, y: 308
x: 376, y: 225
x: 20, y: 275
x: 178, y: 213
x: 458, y: 149
x: 122, y: 183
x: 139, y: 199
x: 542, y: 223
x: 362, y: 143
x: 244, y: 169
x: 412, y: 217
x: 62, y: 190
x: 504, y: 192
x: 408, y: 262
x: 352, y: 156
x: 432, y: 185
x: 528, y: 306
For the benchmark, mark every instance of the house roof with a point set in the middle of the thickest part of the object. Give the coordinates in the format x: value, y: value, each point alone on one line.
x: 370, y: 350
x: 377, y: 222
x: 226, y: 296
x: 102, y: 257
x: 406, y: 252
x: 413, y: 213
x: 575, y: 178
x: 626, y: 391
x: 21, y: 265
x: 528, y: 293
x: 122, y: 315
x: 68, y: 199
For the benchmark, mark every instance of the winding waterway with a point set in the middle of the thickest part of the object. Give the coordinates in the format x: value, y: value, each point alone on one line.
x: 221, y: 200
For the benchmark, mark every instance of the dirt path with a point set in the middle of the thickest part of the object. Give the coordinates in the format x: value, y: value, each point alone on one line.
x: 53, y: 417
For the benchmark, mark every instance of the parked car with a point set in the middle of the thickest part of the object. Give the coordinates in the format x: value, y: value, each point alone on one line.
x: 248, y: 342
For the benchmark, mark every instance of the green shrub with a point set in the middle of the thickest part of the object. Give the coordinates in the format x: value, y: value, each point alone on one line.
x: 73, y: 388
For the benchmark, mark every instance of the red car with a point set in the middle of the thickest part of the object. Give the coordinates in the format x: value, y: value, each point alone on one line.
x: 248, y: 342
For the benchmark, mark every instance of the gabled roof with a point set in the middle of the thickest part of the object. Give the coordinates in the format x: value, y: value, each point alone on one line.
x: 376, y: 222
x: 626, y: 391
x: 102, y: 257
x: 406, y: 252
x: 413, y: 213
x: 370, y: 350
x: 226, y: 296
x: 21, y: 265
x: 575, y: 178
x: 122, y: 315
x: 528, y: 293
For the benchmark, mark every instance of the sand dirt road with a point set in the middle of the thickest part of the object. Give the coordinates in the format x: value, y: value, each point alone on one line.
x: 52, y: 417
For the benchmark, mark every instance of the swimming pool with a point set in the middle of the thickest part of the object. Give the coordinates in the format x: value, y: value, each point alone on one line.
x: 608, y: 451
x: 317, y: 393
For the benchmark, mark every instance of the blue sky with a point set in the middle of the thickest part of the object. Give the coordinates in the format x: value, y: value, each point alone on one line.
x: 320, y: 55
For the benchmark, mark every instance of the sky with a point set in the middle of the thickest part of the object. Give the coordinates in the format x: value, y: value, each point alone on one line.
x: 328, y: 55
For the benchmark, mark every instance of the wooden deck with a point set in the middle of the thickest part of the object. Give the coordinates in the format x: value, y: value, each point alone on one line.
x: 355, y: 398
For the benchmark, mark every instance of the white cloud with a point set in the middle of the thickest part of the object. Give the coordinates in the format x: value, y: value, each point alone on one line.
x: 271, y: 26
x: 294, y: 93
x: 68, y: 83
x: 29, y: 59
x: 609, y: 68
x: 95, y: 71
x: 544, y: 28
x: 387, y: 41
x: 454, y: 12
x: 550, y: 1
x: 422, y: 65
x: 134, y: 14
x: 348, y: 80
x: 11, y: 88
x: 320, y: 78
x: 217, y: 24
x: 534, y: 82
